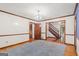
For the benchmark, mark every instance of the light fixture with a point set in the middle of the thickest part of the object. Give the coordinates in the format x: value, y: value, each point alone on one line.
x: 38, y: 16
x: 16, y: 23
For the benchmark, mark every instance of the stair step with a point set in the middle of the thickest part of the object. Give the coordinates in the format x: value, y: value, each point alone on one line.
x: 51, y: 39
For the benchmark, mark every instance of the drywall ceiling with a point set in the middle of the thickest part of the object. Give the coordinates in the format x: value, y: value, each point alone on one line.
x: 47, y: 10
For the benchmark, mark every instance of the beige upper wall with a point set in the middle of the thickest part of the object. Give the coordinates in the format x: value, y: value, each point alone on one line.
x: 10, y: 24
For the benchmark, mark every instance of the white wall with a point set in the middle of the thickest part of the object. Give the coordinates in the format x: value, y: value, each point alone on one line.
x: 49, y: 34
x: 33, y: 26
x: 10, y: 24
x: 70, y: 29
x: 70, y: 25
x: 43, y: 30
x: 10, y: 40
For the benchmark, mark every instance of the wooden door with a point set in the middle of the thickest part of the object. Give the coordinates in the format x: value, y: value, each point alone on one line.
x: 30, y: 30
x: 37, y: 31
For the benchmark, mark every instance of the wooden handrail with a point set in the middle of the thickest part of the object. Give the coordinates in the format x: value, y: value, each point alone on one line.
x: 53, y: 32
x: 54, y: 28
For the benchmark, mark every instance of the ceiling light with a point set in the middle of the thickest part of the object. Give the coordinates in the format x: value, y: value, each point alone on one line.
x: 16, y: 23
x: 38, y: 16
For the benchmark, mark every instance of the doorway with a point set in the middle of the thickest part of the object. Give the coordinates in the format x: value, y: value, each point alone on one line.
x: 56, y: 31
x: 37, y: 31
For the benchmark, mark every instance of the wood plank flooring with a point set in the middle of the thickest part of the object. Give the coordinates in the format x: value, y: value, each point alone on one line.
x: 70, y: 51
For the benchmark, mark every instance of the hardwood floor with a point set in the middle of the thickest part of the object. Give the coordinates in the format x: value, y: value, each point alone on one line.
x: 69, y: 51
x: 51, y: 39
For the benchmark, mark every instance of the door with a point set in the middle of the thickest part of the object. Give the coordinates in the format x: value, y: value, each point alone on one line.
x: 37, y: 31
x: 30, y: 30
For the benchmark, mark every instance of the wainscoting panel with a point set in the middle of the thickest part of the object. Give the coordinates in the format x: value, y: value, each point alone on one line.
x: 11, y: 40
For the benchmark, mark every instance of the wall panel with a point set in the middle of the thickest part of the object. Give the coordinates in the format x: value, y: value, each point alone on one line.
x: 11, y: 28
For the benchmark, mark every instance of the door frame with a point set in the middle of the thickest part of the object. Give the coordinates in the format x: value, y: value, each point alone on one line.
x: 64, y: 28
x: 31, y: 31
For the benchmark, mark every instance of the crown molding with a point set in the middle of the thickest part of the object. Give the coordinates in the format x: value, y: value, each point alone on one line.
x: 16, y: 15
x: 57, y: 18
x: 75, y: 8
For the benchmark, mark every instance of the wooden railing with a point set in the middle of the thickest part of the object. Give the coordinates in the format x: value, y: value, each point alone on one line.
x: 54, y: 31
x: 53, y: 27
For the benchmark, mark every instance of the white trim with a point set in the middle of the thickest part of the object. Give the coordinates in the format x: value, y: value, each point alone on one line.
x: 77, y: 46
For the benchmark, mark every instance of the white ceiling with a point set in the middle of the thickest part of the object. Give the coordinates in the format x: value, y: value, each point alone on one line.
x: 47, y: 10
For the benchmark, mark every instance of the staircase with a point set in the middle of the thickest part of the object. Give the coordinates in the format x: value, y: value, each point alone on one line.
x: 54, y: 31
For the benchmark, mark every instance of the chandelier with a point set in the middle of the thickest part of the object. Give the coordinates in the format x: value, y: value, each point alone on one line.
x: 38, y: 16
